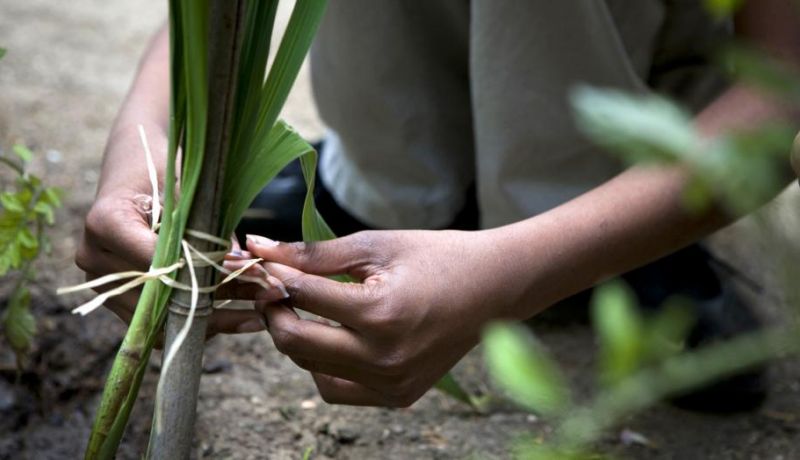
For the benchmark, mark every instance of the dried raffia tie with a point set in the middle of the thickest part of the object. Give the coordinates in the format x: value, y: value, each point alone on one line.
x: 191, y: 254
x: 192, y: 258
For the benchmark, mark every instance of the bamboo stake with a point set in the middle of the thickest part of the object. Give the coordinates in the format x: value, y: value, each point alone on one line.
x: 178, y: 397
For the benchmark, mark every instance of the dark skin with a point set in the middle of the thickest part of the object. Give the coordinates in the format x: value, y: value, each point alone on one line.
x: 424, y: 296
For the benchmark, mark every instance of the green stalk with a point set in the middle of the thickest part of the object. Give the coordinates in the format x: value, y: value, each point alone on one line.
x: 675, y: 374
x: 188, y: 20
x: 261, y: 146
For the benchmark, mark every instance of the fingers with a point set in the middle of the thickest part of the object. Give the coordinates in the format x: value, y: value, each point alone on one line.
x: 230, y: 321
x: 339, y: 391
x: 91, y: 258
x: 243, y: 287
x: 121, y: 310
x: 350, y: 255
x: 341, y: 302
x: 123, y: 304
x: 373, y: 381
x: 120, y: 227
x: 311, y: 340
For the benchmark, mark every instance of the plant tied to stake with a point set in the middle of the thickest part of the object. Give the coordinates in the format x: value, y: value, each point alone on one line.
x: 235, y: 159
x: 224, y: 105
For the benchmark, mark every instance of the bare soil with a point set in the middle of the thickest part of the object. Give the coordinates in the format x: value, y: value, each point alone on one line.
x: 66, y: 72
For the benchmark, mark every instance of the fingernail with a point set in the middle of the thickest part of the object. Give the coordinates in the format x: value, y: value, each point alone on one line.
x: 270, y: 294
x: 281, y: 288
x: 253, y: 325
x: 236, y: 251
x: 262, y: 241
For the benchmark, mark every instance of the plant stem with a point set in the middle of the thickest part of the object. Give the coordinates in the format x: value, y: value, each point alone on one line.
x: 676, y: 374
x: 178, y: 399
x: 11, y: 164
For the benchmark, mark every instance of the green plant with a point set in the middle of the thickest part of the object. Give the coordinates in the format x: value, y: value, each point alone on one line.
x: 256, y: 139
x: 233, y: 172
x: 27, y: 208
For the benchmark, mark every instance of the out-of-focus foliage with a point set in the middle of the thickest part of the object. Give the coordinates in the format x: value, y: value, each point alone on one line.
x: 766, y: 73
x: 642, y: 358
x: 27, y: 208
x: 521, y: 365
x: 740, y: 170
x: 627, y: 339
x: 723, y: 8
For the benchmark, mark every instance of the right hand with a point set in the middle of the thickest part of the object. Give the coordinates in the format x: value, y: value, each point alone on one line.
x: 117, y: 234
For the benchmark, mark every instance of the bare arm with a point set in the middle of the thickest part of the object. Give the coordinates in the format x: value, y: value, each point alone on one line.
x: 425, y: 295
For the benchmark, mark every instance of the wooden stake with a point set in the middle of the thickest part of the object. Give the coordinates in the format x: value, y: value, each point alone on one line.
x: 178, y: 398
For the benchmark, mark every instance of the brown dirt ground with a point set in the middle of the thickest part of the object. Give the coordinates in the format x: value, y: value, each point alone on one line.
x: 68, y: 67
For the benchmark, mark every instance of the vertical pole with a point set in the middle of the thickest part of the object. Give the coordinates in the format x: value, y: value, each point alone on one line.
x: 178, y: 398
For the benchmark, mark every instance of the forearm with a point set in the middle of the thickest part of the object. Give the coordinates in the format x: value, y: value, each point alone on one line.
x: 146, y: 104
x: 629, y: 221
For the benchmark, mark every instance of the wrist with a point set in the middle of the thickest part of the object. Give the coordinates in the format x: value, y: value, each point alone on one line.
x: 124, y: 166
x: 537, y: 265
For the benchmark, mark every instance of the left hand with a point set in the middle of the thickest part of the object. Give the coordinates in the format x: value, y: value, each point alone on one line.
x: 422, y: 299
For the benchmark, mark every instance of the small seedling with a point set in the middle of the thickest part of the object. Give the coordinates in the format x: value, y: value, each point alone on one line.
x: 27, y: 209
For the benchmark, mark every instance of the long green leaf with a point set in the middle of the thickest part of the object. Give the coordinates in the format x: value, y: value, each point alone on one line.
x: 522, y: 366
x: 620, y: 330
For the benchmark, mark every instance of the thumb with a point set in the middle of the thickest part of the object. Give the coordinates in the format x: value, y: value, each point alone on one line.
x: 347, y: 255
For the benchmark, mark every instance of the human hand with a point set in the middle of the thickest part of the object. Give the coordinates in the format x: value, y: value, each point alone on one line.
x: 422, y: 299
x: 118, y: 235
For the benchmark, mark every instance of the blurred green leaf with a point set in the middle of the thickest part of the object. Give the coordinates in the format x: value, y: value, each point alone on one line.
x: 620, y: 331
x: 27, y: 239
x: 52, y: 196
x: 522, y: 366
x: 697, y: 196
x: 46, y: 211
x: 10, y: 251
x: 742, y: 170
x: 23, y: 152
x: 2, y: 52
x: 12, y: 202
x: 546, y: 452
x: 765, y: 72
x: 18, y: 322
x: 639, y: 128
x: 450, y: 386
x: 668, y: 328
x: 722, y: 8
x: 745, y: 169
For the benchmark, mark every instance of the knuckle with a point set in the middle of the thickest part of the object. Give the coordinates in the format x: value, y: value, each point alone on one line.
x: 394, y: 364
x: 303, y: 252
x: 404, y: 399
x: 285, y: 338
x: 296, y: 287
x: 364, y: 240
x: 95, y: 219
x: 375, y: 297
x: 402, y: 386
x: 369, y: 246
x: 82, y: 258
x: 387, y: 321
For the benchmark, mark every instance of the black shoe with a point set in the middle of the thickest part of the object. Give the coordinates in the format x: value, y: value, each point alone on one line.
x: 721, y: 313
